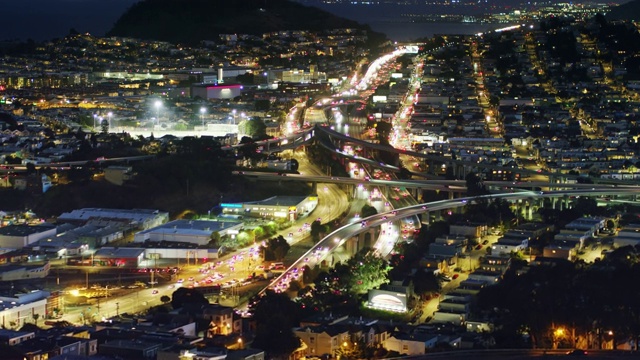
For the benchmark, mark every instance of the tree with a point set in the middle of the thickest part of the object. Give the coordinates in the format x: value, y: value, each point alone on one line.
x: 35, y: 317
x: 165, y: 299
x: 248, y: 150
x: 215, y: 238
x: 253, y: 127
x: 104, y: 126
x: 368, y: 210
x: 425, y: 282
x: 363, y: 272
x: 262, y: 105
x: 185, y: 296
x: 258, y: 233
x: 316, y: 229
x: 276, y: 315
x: 475, y: 186
x: 275, y: 336
x: 275, y: 248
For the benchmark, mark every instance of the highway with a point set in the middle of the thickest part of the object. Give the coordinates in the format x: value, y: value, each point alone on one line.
x: 338, y: 237
x: 68, y: 164
x: 442, y: 185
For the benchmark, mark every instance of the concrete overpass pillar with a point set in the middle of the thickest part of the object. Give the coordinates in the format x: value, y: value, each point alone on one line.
x: 450, y: 194
x: 425, y: 218
x: 314, y: 187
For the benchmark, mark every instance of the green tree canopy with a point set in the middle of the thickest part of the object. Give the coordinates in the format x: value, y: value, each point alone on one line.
x: 276, y: 315
x: 368, y: 210
x: 253, y: 127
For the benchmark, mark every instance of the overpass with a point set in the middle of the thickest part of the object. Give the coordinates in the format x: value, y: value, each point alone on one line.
x: 452, y: 186
x: 339, y: 237
x: 68, y: 164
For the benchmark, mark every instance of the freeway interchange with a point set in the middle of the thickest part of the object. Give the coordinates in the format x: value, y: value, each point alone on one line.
x: 338, y: 237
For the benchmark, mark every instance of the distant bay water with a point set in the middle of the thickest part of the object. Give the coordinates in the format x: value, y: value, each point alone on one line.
x: 407, y: 31
x: 396, y: 22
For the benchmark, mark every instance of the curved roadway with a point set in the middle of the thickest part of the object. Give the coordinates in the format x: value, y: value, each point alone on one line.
x: 338, y: 237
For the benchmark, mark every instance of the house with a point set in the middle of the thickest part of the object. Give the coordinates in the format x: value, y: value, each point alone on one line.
x: 588, y: 224
x: 628, y: 235
x: 221, y: 320
x: 488, y: 276
x: 118, y: 175
x: 320, y: 340
x: 505, y: 246
x: 495, y: 263
x: 559, y: 250
x: 36, y: 184
x: 472, y: 231
x: 416, y: 343
x: 435, y: 263
x: 13, y: 337
x: 130, y: 349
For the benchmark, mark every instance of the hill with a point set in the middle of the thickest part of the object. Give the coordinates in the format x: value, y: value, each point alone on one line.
x: 628, y: 11
x: 188, y: 21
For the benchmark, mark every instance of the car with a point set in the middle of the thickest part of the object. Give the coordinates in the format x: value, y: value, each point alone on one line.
x: 479, y: 246
x: 446, y: 278
x: 577, y: 352
x: 455, y: 276
x: 485, y: 242
x: 154, y: 292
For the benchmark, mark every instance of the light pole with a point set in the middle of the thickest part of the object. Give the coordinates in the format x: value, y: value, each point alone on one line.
x: 158, y: 105
x: 94, y: 121
x: 109, y: 115
x: 203, y: 110
x: 234, y: 116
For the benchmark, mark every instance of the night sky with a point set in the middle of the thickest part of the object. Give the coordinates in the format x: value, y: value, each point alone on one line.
x: 47, y: 19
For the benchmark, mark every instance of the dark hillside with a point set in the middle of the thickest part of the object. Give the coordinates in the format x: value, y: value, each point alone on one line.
x: 628, y: 11
x: 189, y: 21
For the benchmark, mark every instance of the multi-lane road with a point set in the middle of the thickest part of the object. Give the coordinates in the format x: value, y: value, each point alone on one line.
x: 338, y: 237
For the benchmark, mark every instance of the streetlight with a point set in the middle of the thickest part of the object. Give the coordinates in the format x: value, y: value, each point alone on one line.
x: 158, y: 105
x: 202, y: 111
x: 234, y: 116
x: 95, y: 116
x: 109, y: 115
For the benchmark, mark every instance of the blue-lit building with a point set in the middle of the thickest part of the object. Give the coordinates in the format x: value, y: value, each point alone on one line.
x: 276, y: 207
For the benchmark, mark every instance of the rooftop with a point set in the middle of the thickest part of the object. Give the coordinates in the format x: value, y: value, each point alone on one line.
x: 25, y: 230
x: 280, y: 201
